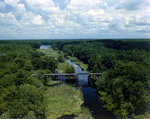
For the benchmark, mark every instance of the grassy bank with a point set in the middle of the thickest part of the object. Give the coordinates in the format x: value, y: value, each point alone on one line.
x: 55, y: 53
x: 65, y: 100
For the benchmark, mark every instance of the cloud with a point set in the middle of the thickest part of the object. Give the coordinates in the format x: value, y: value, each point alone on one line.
x: 77, y: 18
x: 8, y: 19
x: 43, y: 6
x: 66, y: 2
x: 78, y: 5
x: 40, y: 3
x: 18, y: 7
x: 133, y: 5
x: 11, y: 2
x: 38, y: 20
x: 30, y: 19
x: 2, y: 5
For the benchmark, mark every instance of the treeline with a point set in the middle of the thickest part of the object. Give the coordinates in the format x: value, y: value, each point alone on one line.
x: 32, y: 43
x: 21, y: 93
x: 125, y: 84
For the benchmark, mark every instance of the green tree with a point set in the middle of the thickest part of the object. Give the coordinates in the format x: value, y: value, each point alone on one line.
x: 41, y: 76
x: 70, y: 69
x: 28, y: 98
x: 60, y: 58
x: 37, y: 63
x: 49, y: 63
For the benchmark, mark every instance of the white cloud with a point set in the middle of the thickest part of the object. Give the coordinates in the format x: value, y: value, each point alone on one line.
x: 78, y: 5
x: 40, y: 3
x: 11, y: 2
x: 38, y: 20
x: 43, y: 6
x: 8, y: 19
x: 101, y: 17
x: 19, y: 7
x: 31, y: 19
x: 66, y: 2
x: 133, y: 5
x: 2, y: 5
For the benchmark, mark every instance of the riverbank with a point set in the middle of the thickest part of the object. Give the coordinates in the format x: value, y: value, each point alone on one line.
x: 61, y: 66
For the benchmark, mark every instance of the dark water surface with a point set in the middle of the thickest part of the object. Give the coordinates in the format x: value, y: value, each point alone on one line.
x: 90, y: 97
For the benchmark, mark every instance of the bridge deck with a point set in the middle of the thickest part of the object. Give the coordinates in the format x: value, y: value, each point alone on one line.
x: 68, y: 74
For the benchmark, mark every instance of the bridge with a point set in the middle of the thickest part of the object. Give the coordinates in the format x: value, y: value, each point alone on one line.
x: 71, y: 77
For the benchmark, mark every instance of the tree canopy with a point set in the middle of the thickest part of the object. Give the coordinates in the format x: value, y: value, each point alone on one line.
x: 19, y: 91
x: 125, y: 84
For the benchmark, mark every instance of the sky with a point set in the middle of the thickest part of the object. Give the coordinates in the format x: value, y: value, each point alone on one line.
x: 74, y: 19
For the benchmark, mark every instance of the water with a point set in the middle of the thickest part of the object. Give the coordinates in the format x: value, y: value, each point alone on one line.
x: 45, y: 46
x: 90, y: 97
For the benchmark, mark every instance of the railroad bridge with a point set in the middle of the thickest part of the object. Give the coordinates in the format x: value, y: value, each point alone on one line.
x: 73, y: 77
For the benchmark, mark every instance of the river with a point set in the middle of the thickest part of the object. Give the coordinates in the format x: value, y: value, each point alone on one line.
x: 90, y: 96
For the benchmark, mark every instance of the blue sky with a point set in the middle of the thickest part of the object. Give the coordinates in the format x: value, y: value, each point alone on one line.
x: 77, y: 19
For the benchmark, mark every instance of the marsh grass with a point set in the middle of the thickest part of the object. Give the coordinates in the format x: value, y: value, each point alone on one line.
x: 62, y: 100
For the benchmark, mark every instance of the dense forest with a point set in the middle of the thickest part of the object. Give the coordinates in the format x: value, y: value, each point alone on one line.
x: 124, y: 87
x: 19, y: 91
